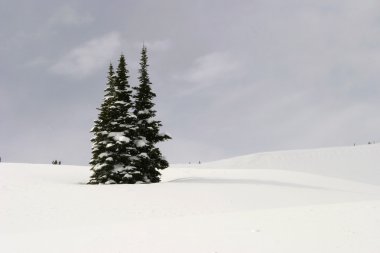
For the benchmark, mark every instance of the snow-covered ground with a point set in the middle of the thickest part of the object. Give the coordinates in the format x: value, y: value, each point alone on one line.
x: 325, y: 200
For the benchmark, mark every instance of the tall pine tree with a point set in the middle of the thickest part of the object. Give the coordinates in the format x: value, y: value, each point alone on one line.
x: 148, y: 128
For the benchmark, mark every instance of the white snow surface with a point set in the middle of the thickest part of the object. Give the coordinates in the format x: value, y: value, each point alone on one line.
x: 325, y: 200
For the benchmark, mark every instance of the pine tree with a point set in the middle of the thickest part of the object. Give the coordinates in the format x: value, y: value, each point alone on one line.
x: 123, y: 130
x: 114, y: 151
x: 148, y: 128
x: 101, y: 162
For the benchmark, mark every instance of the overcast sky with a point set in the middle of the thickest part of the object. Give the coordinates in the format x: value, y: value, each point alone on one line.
x: 232, y: 77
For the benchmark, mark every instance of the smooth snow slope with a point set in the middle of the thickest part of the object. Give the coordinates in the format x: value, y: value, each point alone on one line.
x: 236, y: 205
x: 358, y: 163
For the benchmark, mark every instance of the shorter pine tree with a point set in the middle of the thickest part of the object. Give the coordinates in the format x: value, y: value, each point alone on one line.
x: 102, y: 161
x: 114, y: 144
x: 122, y: 131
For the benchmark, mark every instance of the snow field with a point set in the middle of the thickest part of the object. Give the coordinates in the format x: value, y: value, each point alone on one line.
x: 293, y: 201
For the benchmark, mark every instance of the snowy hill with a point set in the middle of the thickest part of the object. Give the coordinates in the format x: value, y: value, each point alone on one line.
x: 325, y: 200
x: 359, y: 163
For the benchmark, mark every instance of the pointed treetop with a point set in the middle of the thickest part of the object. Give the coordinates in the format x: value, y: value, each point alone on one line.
x: 122, y: 75
x: 122, y: 67
x: 110, y: 67
x: 111, y: 72
x: 144, y: 59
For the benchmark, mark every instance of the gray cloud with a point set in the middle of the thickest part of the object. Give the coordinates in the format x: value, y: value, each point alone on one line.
x: 209, y: 70
x: 67, y: 15
x: 232, y: 77
x: 89, y: 57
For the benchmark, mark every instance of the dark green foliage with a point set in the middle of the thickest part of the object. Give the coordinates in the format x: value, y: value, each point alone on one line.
x: 148, y: 128
x: 126, y: 132
x: 114, y: 153
x: 101, y: 163
x: 122, y: 130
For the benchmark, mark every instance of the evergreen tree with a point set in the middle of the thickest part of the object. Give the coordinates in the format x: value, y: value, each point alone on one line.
x: 123, y: 130
x: 148, y: 128
x: 101, y: 162
x: 114, y: 152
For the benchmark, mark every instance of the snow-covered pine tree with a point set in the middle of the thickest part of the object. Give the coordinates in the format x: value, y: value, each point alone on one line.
x: 123, y: 130
x: 148, y: 128
x: 115, y: 162
x: 101, y: 164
